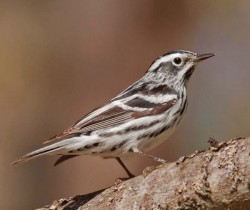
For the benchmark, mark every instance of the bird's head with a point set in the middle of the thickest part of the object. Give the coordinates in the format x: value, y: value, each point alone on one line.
x: 176, y: 66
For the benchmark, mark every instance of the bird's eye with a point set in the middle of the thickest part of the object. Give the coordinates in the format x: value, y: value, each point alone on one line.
x: 177, y: 61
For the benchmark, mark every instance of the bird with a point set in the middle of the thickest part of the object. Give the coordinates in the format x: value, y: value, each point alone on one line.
x: 137, y: 120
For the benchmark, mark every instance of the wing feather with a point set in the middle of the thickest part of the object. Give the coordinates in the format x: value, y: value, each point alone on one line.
x: 112, y: 115
x: 108, y: 118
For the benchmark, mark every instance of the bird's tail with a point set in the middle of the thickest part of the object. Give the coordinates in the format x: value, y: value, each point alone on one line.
x: 53, y: 149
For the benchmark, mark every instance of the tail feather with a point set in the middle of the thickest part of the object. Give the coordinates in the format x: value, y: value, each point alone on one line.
x: 64, y: 158
x: 48, y: 150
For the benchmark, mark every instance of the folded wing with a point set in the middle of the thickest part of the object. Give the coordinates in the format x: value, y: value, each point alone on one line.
x: 114, y: 114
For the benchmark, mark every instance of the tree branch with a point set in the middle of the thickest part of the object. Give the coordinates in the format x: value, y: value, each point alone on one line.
x: 218, y: 178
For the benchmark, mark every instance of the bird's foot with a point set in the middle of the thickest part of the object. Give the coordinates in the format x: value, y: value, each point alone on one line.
x: 120, y: 180
x: 150, y: 169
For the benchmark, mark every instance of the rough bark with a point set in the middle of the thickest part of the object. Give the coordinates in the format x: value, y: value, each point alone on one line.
x: 218, y: 178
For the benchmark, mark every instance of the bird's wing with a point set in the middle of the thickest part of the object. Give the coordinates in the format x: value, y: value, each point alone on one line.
x: 115, y: 113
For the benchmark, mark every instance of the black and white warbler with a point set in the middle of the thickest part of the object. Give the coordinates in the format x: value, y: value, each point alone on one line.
x: 137, y: 120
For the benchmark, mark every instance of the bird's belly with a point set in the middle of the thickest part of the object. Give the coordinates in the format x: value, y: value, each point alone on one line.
x: 151, y: 143
x: 141, y: 139
x: 160, y: 135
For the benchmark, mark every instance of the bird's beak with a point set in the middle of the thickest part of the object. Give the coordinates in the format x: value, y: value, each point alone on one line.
x: 203, y: 57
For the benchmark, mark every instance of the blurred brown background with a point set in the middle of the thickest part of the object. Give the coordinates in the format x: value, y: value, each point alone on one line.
x: 60, y: 59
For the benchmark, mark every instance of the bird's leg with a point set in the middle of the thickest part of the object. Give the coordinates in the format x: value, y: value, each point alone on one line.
x: 149, y: 169
x: 152, y: 157
x: 130, y: 175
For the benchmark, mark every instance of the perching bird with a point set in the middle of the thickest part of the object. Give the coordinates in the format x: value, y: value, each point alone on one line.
x: 137, y: 120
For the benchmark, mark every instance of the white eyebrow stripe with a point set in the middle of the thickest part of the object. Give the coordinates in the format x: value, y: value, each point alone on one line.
x: 163, y: 59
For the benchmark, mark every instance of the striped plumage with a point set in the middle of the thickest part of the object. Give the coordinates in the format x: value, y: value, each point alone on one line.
x: 137, y: 120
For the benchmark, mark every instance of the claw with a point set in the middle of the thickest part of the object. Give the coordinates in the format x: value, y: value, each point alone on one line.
x: 150, y: 169
x: 120, y: 180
